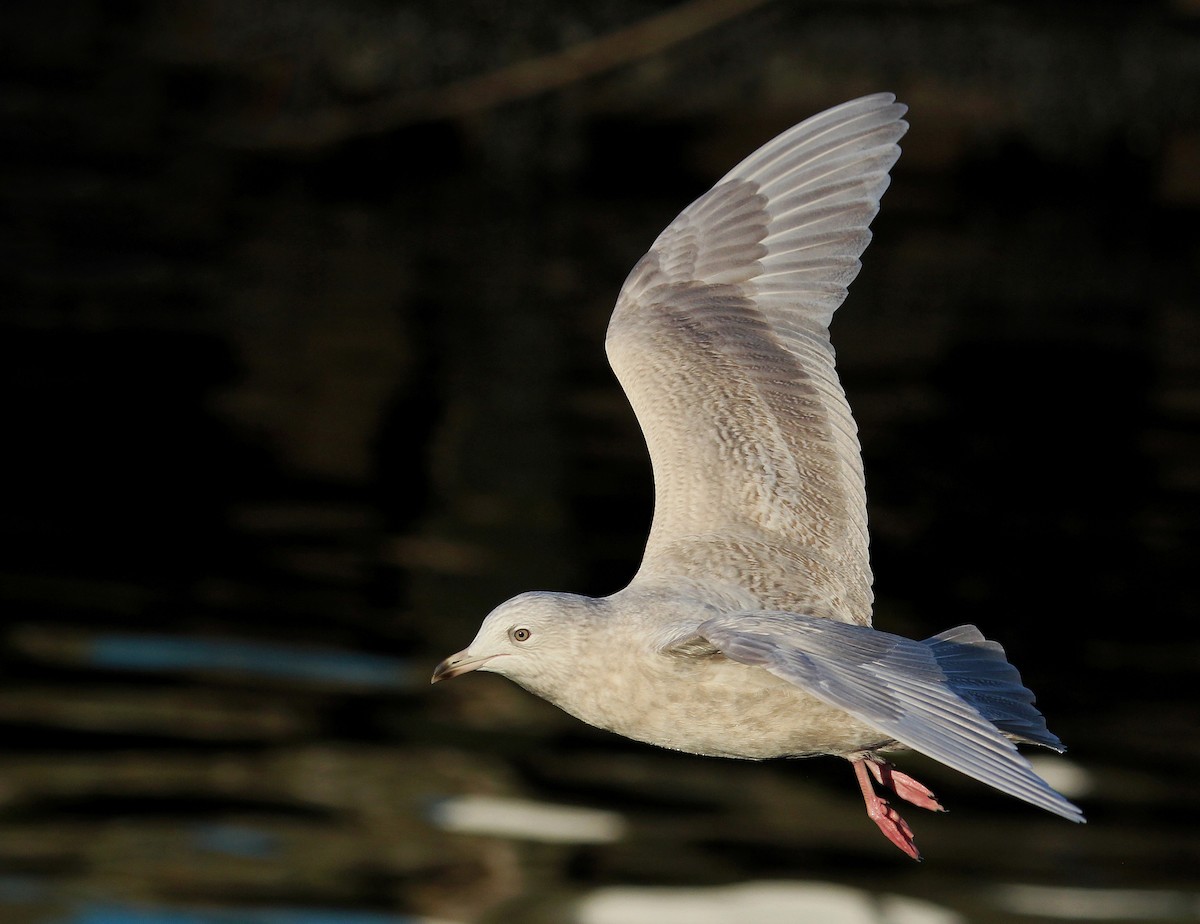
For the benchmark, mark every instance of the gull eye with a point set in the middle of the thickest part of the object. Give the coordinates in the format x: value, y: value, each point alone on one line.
x: 519, y: 635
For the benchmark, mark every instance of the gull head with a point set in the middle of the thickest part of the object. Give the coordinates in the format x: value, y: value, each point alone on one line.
x: 533, y: 639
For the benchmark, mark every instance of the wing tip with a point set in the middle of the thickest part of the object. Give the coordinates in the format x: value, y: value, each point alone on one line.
x: 878, y: 102
x: 1068, y: 810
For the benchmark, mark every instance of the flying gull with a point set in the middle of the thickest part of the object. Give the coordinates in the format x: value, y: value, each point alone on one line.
x: 746, y: 631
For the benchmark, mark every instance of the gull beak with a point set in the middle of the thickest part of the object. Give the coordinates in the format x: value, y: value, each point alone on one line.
x: 461, y: 663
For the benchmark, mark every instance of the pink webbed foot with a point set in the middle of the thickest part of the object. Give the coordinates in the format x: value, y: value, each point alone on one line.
x: 902, y: 785
x: 894, y: 828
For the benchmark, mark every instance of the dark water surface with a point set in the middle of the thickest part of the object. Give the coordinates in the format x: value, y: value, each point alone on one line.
x: 287, y: 419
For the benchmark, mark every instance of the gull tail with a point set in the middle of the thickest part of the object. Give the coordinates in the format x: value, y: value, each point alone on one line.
x: 953, y: 697
x: 977, y: 669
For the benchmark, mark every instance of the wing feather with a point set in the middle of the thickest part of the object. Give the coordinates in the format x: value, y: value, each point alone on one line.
x: 720, y: 339
x: 905, y: 689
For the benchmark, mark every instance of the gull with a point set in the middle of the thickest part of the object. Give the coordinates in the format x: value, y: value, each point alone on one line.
x: 746, y: 631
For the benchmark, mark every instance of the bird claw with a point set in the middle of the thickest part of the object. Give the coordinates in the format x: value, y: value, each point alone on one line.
x: 894, y: 828
x: 903, y: 785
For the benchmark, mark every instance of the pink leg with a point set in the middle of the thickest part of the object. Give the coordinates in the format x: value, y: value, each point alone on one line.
x: 894, y: 828
x: 902, y: 784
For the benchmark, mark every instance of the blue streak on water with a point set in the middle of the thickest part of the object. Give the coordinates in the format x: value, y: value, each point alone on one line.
x: 236, y: 841
x: 131, y: 914
x: 22, y: 890
x: 171, y: 653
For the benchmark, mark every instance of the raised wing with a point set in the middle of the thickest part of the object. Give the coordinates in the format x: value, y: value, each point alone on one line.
x: 899, y: 686
x: 720, y: 339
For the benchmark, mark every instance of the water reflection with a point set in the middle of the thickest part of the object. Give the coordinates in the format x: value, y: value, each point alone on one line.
x: 1073, y: 780
x: 249, y: 660
x: 131, y: 914
x: 1070, y: 904
x: 526, y: 820
x: 760, y: 902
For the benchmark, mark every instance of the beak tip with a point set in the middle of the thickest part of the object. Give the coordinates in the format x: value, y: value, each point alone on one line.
x: 450, y: 668
x: 457, y: 664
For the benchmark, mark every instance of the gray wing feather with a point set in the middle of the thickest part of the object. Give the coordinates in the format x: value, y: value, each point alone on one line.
x: 896, y: 685
x: 978, y: 671
x: 720, y: 339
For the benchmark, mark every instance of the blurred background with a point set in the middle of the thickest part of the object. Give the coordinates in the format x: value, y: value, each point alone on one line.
x: 302, y: 310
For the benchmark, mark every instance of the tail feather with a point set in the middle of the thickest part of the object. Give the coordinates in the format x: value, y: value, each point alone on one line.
x: 977, y: 669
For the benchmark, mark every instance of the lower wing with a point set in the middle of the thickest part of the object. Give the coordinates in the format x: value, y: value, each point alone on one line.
x: 896, y: 685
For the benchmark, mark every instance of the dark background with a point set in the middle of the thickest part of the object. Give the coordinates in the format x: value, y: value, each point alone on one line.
x: 301, y: 320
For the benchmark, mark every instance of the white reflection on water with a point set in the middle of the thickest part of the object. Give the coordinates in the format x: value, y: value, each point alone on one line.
x: 1068, y: 777
x: 761, y: 902
x: 527, y: 820
x: 1099, y: 904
